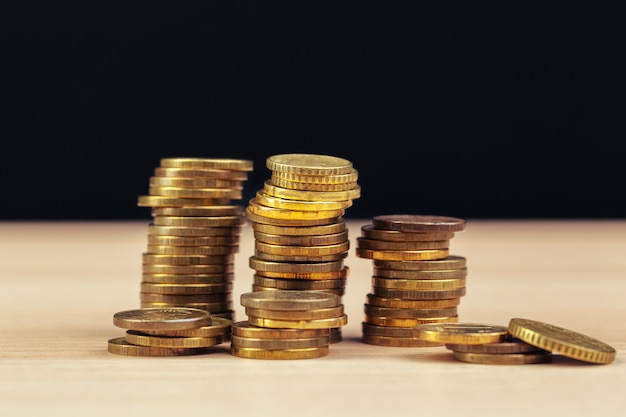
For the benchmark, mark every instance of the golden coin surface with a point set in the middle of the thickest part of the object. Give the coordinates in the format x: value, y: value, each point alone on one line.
x: 419, y: 284
x: 193, y: 240
x: 311, y: 186
x: 299, y: 258
x: 219, y: 278
x: 161, y: 318
x: 298, y: 284
x: 273, y: 344
x: 206, y: 221
x: 418, y: 223
x: 156, y: 259
x: 351, y: 176
x: 395, y: 341
x: 418, y: 294
x: 296, y: 267
x: 185, y: 289
x: 338, y: 291
x: 216, y: 163
x: 243, y: 328
x: 408, y: 255
x: 451, y: 262
x: 304, y: 240
x: 309, y: 164
x: 503, y: 358
x: 387, y: 331
x: 219, y: 326
x: 194, y: 182
x: 401, y: 245
x: 318, y: 250
x: 201, y: 173
x: 311, y: 314
x: 289, y: 300
x: 199, y: 211
x: 409, y: 323
x: 299, y: 324
x: 279, y: 213
x: 370, y: 232
x: 279, y: 354
x: 187, y: 231
x: 302, y: 276
x: 188, y: 269
x: 316, y: 221
x: 562, y: 341
x: 221, y: 297
x: 181, y: 192
x: 174, y: 201
x: 407, y: 303
x: 511, y: 346
x: 120, y: 346
x: 409, y: 313
x: 303, y: 195
x: 143, y: 339
x: 462, y: 333
x: 420, y: 274
x: 313, y: 230
x: 281, y: 203
x: 191, y: 250
x: 214, y: 307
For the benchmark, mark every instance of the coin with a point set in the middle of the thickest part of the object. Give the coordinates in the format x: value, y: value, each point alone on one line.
x: 290, y: 250
x: 156, y: 259
x: 210, y: 269
x: 199, y: 211
x: 194, y: 182
x: 419, y: 284
x: 280, y: 213
x: 312, y: 186
x: 351, y: 176
x: 298, y: 284
x: 296, y: 267
x: 312, y: 276
x: 387, y: 331
x: 304, y: 353
x: 462, y: 333
x: 220, y: 326
x: 409, y: 313
x: 215, y: 163
x: 408, y: 322
x: 407, y: 303
x: 219, y: 278
x: 309, y: 164
x: 258, y: 218
x: 193, y: 240
x: 370, y: 232
x: 420, y: 274
x: 310, y: 314
x: 450, y: 262
x: 204, y: 221
x: 192, y: 250
x: 562, y: 341
x: 513, y: 345
x: 503, y: 358
x: 178, y: 201
x: 418, y: 223
x: 120, y: 346
x: 303, y: 195
x: 201, y: 173
x: 338, y: 291
x: 245, y: 329
x: 395, y: 341
x: 418, y: 294
x: 308, y: 230
x: 144, y: 339
x: 402, y: 255
x: 299, y: 324
x: 289, y: 300
x: 379, y: 245
x: 181, y: 192
x: 186, y: 231
x: 185, y: 289
x: 161, y: 318
x: 282, y: 344
x: 299, y: 258
x: 302, y: 240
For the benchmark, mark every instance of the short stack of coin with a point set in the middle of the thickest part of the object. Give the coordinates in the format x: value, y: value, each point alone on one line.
x: 300, y: 234
x: 175, y: 331
x: 194, y: 235
x: 288, y: 324
x: 415, y: 279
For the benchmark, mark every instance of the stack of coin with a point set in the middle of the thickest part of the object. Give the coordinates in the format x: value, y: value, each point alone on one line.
x: 194, y: 235
x: 415, y: 279
x: 300, y: 234
x: 288, y: 324
x: 174, y: 331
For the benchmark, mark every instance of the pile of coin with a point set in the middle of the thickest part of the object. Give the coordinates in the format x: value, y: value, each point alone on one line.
x: 194, y: 235
x: 523, y: 341
x: 288, y: 324
x: 415, y: 279
x: 300, y: 234
x: 174, y: 331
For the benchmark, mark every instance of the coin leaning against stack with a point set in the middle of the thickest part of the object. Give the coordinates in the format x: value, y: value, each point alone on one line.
x: 194, y: 234
x: 415, y: 280
x: 301, y: 238
x: 170, y: 331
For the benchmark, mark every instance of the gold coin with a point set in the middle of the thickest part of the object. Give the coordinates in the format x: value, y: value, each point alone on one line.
x: 462, y: 333
x: 419, y: 294
x: 289, y: 250
x: 418, y: 223
x: 257, y: 218
x: 419, y: 284
x: 503, y: 358
x: 196, y: 182
x: 301, y: 276
x: 156, y: 259
x: 420, y: 274
x: 370, y: 232
x: 562, y: 341
x: 185, y: 289
x: 450, y: 262
x: 314, y: 230
x: 274, y: 344
x: 303, y: 195
x: 191, y: 250
x: 299, y: 258
x: 387, y: 331
x: 394, y: 341
x: 311, y: 186
x: 221, y: 298
x: 410, y: 323
x: 174, y: 201
x: 120, y: 346
x: 192, y: 241
x: 180, y: 192
x: 227, y: 174
x: 280, y: 354
x: 206, y: 269
x: 298, y: 284
x: 406, y: 303
x: 272, y: 266
x: 278, y: 213
x: 311, y: 314
x: 351, y: 176
x: 384, y: 245
x: 161, y: 318
x: 219, y: 326
x: 217, y: 309
x: 299, y: 324
x: 309, y: 164
x: 214, y: 163
x: 143, y: 339
x: 316, y: 240
x: 220, y: 278
x: 409, y: 313
x: 199, y: 211
x: 208, y: 221
x: 245, y: 329
x: 187, y: 231
x: 289, y: 300
x: 513, y: 345
x: 338, y: 291
x: 281, y: 203
x: 408, y: 255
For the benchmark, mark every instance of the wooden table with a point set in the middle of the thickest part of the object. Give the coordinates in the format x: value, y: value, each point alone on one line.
x: 63, y: 281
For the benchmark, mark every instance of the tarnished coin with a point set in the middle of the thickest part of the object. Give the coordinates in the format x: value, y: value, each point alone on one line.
x: 409, y: 313
x: 418, y: 294
x: 513, y: 345
x: 144, y: 339
x: 289, y: 300
x: 418, y: 223
x: 162, y: 318
x: 298, y: 284
x: 503, y: 358
x: 462, y: 333
x: 309, y: 164
x: 120, y: 346
x: 370, y: 232
x: 395, y: 341
x: 279, y: 354
x: 374, y: 244
x: 562, y: 341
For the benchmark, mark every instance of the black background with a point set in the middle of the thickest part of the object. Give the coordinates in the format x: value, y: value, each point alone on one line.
x: 474, y: 109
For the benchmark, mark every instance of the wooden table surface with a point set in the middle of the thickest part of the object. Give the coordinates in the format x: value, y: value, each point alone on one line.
x: 63, y: 281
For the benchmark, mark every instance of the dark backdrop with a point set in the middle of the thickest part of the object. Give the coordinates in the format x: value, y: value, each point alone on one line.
x: 475, y: 109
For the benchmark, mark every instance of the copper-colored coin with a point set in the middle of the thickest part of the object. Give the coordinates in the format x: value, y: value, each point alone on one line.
x: 275, y: 344
x: 310, y: 314
x: 299, y: 258
x: 387, y: 331
x: 300, y: 324
x: 337, y: 291
x: 258, y: 218
x: 370, y: 232
x: 296, y: 267
x: 245, y: 329
x: 403, y: 255
x: 310, y: 276
x: 204, y: 221
x: 212, y: 307
x: 409, y: 313
x: 291, y: 250
x: 419, y: 284
x: 279, y: 354
x: 199, y: 211
x: 418, y: 294
x: 189, y: 279
x: 402, y: 322
x: 406, y: 303
x: 185, y: 231
x: 410, y: 245
x: 219, y: 268
x: 144, y: 339
x: 394, y: 341
x: 185, y: 289
x: 232, y: 240
x: 418, y: 223
x: 191, y: 250
x: 420, y: 274
x: 302, y: 240
x: 298, y: 284
x: 450, y: 262
x: 156, y: 259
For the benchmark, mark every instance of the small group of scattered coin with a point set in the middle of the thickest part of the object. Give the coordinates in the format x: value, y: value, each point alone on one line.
x: 415, y: 279
x: 168, y: 331
x: 523, y: 341
x: 301, y: 238
x: 194, y: 234
x: 288, y: 324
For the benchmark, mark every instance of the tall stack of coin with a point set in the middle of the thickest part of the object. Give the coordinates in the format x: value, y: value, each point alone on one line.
x: 415, y: 279
x: 194, y: 235
x: 288, y: 324
x: 300, y: 233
